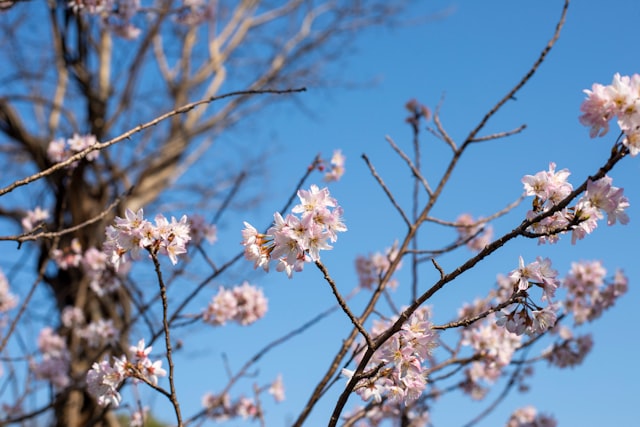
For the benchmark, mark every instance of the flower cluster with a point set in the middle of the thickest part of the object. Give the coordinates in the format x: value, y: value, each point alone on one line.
x: 529, y: 417
x: 7, y: 299
x: 34, y: 218
x: 550, y: 187
x: 620, y: 99
x: 587, y: 293
x: 371, y: 269
x: 495, y: 346
x: 398, y: 363
x: 195, y: 12
x: 134, y: 232
x: 201, y: 230
x: 54, y: 366
x: 524, y: 316
x: 221, y: 408
x: 103, y: 279
x: 116, y: 14
x: 97, y: 333
x: 276, y: 389
x: 69, y: 256
x: 336, y: 167
x: 293, y: 240
x: 60, y: 149
x: 570, y: 351
x: 474, y: 233
x: 104, y: 379
x: 243, y: 304
x: 374, y: 415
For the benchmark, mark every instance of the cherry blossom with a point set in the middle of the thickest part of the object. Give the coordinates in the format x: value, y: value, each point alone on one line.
x: 403, y: 377
x: 70, y: 256
x: 475, y: 233
x: 529, y: 417
x: 550, y: 187
x: 201, y: 230
x: 277, y: 389
x: 134, y: 232
x: 371, y: 268
x: 569, y: 352
x: 54, y: 365
x: 243, y: 304
x: 60, y: 149
x: 293, y: 240
x: 34, y: 218
x: 336, y: 169
x: 7, y: 299
x: 104, y: 379
x: 620, y: 99
x: 588, y: 293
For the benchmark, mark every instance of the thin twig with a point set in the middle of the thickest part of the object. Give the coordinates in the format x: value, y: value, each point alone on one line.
x: 524, y: 80
x: 414, y: 170
x: 386, y: 190
x: 167, y: 338
x: 441, y: 131
x: 100, y: 146
x: 55, y: 234
x: 343, y: 304
x: 500, y: 134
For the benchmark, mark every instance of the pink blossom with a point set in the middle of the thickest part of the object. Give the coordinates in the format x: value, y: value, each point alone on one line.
x: 403, y: 356
x: 475, y: 233
x: 243, y: 304
x: 337, y: 169
x: 195, y: 12
x: 620, y: 99
x: 34, y: 218
x: 543, y: 319
x: 277, y: 389
x: 495, y: 343
x: 291, y: 241
x: 528, y: 417
x: 103, y: 381
x: 570, y: 352
x: 139, y: 417
x: 134, y: 232
x: 7, y: 299
x: 70, y: 256
x: 99, y: 333
x: 598, y: 109
x: 60, y: 149
x: 588, y: 294
x: 201, y: 230
x: 246, y: 408
x: 72, y: 317
x: 54, y: 365
x: 373, y: 267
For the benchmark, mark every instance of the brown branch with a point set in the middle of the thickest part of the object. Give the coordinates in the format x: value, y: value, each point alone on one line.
x: 167, y: 338
x: 55, y: 234
x: 343, y: 304
x: 386, y: 190
x: 510, y: 95
x: 413, y: 168
x: 100, y: 146
x: 500, y: 134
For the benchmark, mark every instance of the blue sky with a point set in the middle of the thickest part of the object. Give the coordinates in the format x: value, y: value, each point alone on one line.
x: 470, y: 53
x: 471, y: 56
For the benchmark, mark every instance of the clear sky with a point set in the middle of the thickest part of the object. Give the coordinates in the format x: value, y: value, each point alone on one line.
x: 472, y: 54
x: 468, y: 53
